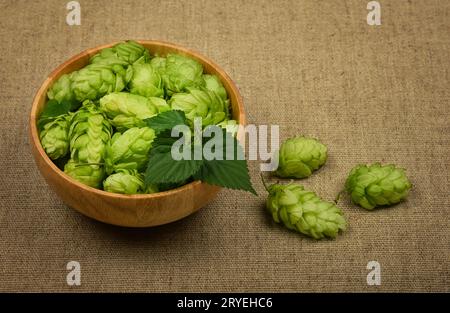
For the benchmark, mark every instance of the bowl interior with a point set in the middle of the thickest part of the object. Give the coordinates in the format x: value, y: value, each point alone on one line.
x: 155, y: 47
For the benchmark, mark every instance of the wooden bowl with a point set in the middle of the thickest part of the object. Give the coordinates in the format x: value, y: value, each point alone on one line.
x: 127, y: 210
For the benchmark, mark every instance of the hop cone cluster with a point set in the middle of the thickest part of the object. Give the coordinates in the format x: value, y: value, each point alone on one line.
x: 129, y: 150
x: 127, y: 182
x: 303, y: 211
x: 300, y: 156
x: 89, y: 133
x: 127, y: 110
x: 54, y: 137
x: 109, y: 71
x: 377, y: 185
x: 201, y: 103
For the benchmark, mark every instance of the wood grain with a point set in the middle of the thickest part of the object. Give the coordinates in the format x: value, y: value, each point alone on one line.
x: 128, y: 210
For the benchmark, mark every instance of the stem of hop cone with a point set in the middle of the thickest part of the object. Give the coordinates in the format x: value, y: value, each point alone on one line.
x: 264, y: 182
x: 87, y: 164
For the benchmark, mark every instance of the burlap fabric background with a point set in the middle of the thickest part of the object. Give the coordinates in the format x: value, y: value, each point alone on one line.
x: 313, y: 67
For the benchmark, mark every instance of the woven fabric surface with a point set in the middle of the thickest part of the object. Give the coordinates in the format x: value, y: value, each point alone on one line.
x: 370, y: 93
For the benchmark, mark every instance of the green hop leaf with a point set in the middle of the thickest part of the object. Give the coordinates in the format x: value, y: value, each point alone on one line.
x: 300, y: 156
x: 166, y: 120
x: 52, y: 110
x: 376, y: 185
x: 303, y: 211
x: 162, y: 168
x: 170, y: 186
x: 229, y: 171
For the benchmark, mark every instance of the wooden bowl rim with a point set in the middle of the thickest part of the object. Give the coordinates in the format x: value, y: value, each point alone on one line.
x: 91, y: 51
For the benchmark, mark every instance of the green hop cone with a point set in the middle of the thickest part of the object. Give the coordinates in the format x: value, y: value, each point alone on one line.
x: 145, y: 81
x: 159, y: 64
x: 231, y: 126
x: 54, y: 137
x: 181, y: 73
x: 89, y: 134
x: 128, y: 52
x: 152, y: 188
x: 124, y: 182
x: 96, y: 80
x: 300, y: 156
x: 201, y: 103
x: 127, y: 110
x: 91, y: 175
x: 160, y: 104
x: 128, y: 182
x: 213, y: 83
x: 376, y: 185
x: 62, y: 90
x: 303, y: 211
x: 108, y: 57
x: 131, y: 51
x: 129, y: 150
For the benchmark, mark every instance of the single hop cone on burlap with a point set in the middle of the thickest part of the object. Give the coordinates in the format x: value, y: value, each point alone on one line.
x: 376, y: 185
x: 300, y: 156
x: 303, y: 211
